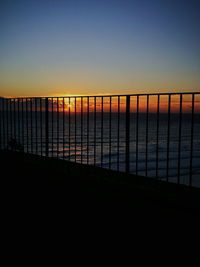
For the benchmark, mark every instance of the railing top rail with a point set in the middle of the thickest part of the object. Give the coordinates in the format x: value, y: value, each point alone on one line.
x: 113, y: 95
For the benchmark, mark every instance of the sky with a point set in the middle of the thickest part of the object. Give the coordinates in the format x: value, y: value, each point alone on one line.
x: 60, y: 47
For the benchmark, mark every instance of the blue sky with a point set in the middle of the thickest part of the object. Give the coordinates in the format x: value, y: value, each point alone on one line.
x: 90, y: 47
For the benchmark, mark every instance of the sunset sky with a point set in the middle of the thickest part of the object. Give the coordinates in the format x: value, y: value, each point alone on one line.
x: 71, y: 47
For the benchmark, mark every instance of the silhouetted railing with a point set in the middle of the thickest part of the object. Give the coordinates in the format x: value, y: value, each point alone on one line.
x: 155, y: 135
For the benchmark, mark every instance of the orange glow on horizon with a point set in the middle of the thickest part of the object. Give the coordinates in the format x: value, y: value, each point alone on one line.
x: 81, y: 103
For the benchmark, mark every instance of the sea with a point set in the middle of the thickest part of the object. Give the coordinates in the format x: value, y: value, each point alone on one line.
x: 158, y: 147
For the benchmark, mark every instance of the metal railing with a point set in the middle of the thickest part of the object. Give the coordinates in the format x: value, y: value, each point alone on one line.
x: 155, y: 135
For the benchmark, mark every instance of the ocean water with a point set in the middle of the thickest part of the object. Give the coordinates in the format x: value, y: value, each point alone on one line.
x: 86, y: 139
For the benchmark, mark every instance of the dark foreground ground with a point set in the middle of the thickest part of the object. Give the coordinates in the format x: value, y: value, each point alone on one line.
x: 30, y: 181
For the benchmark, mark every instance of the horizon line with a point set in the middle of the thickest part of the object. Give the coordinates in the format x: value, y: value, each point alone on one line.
x: 104, y: 95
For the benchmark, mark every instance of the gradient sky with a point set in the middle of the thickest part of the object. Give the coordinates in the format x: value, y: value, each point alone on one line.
x: 60, y: 47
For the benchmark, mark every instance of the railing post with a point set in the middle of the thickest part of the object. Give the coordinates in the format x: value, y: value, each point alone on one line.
x: 0, y: 122
x: 127, y: 133
x: 191, y: 140
x: 47, y: 126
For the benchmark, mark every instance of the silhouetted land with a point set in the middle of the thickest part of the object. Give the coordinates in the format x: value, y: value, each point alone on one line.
x: 66, y: 186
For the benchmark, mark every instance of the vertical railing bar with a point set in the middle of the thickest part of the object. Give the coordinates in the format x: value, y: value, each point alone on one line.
x: 118, y: 136
x: 157, y: 134
x: 18, y: 120
x: 31, y: 107
x: 137, y: 134
x: 36, y: 132
x: 88, y: 110
x: 95, y: 111
x: 22, y: 122
x: 52, y: 134
x: 69, y: 129
x: 75, y: 129
x: 58, y: 128
x: 127, y: 134
x: 27, y: 125
x: 47, y: 126
x: 41, y: 130
x: 81, y: 129
x: 102, y: 131
x: 7, y: 119
x: 8, y: 123
x: 2, y: 126
x: 110, y: 132
x: 63, y: 128
x: 168, y: 135
x: 147, y: 132
x: 0, y: 123
x: 191, y: 140
x: 15, y: 134
x: 3, y: 123
x: 11, y: 119
x: 179, y: 139
x: 5, y: 114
